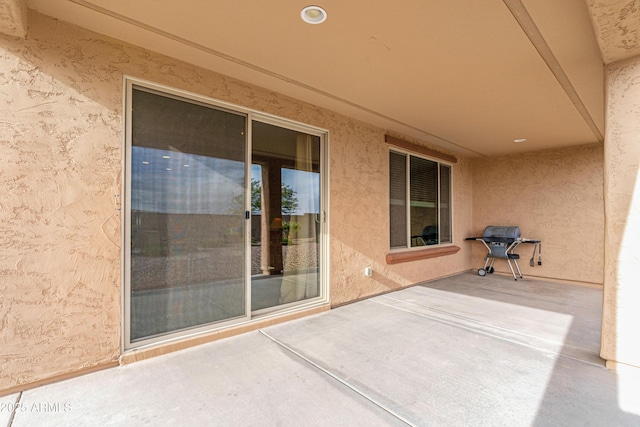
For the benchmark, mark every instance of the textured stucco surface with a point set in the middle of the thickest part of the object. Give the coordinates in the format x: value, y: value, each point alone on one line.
x: 616, y: 28
x: 13, y: 18
x: 60, y: 228
x: 359, y: 220
x: 553, y: 195
x: 621, y: 316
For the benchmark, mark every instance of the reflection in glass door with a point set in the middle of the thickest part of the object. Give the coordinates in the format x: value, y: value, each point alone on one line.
x: 285, y: 226
x: 187, y: 214
x: 214, y: 233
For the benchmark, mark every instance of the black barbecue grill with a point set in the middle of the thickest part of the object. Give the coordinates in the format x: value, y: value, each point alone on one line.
x: 501, y: 242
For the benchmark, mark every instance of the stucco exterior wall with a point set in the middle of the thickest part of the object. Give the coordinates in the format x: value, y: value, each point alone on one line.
x: 61, y: 143
x: 621, y: 316
x: 60, y: 139
x: 555, y: 196
x: 360, y: 215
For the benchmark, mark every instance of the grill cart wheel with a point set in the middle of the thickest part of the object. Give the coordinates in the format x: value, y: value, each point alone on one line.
x: 490, y: 270
x: 481, y: 272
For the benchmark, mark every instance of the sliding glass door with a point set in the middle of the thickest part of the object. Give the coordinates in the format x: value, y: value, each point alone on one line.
x: 285, y: 229
x: 223, y: 215
x: 187, y: 212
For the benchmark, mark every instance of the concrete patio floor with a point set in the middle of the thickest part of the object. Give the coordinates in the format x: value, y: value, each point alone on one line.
x: 460, y: 351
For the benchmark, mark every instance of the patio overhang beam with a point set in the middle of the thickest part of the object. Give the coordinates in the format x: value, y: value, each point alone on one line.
x: 13, y: 18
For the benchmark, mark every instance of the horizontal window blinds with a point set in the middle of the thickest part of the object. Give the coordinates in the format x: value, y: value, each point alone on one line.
x: 397, y: 199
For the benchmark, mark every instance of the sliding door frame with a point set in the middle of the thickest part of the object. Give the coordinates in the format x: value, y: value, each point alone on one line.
x: 125, y: 206
x: 323, y: 253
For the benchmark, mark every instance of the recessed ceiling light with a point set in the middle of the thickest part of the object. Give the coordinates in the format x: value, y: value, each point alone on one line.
x: 313, y: 15
x: 520, y: 140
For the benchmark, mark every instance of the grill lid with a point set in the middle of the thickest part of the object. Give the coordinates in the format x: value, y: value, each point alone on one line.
x: 494, y: 232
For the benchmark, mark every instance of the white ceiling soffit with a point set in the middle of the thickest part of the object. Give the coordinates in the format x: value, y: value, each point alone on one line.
x: 470, y: 78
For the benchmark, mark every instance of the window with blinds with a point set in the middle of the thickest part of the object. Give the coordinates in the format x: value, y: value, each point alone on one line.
x: 419, y: 201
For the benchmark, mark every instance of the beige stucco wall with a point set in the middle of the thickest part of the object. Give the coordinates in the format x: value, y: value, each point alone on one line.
x: 60, y: 228
x: 60, y: 133
x: 555, y: 196
x: 360, y: 215
x: 621, y: 316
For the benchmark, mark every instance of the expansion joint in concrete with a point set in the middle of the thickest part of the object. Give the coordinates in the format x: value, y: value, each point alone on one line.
x: 338, y: 379
x: 15, y: 409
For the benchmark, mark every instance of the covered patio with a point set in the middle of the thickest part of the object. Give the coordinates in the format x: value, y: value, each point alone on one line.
x: 462, y: 350
x: 137, y: 146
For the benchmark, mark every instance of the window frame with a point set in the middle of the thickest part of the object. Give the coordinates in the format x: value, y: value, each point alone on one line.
x: 407, y: 199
